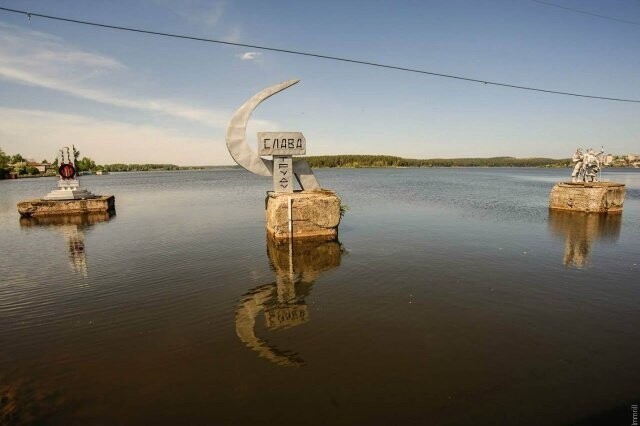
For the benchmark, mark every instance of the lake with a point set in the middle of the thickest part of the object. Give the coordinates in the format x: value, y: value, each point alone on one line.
x: 452, y: 297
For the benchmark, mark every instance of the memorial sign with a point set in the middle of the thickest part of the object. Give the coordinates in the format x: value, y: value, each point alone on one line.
x: 281, y: 143
x: 313, y: 212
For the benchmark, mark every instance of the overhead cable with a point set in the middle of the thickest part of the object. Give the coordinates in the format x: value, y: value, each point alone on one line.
x: 584, y: 12
x: 31, y: 15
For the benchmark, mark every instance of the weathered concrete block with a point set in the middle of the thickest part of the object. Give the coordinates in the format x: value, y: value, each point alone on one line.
x: 315, y: 214
x: 40, y: 207
x: 593, y: 197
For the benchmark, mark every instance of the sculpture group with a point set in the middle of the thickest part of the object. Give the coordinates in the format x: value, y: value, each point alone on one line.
x: 585, y: 193
x: 586, y: 167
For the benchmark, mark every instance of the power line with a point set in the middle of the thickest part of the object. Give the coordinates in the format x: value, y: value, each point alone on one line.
x: 314, y: 55
x: 584, y: 12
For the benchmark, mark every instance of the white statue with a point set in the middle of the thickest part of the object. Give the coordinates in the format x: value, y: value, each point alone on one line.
x: 586, y: 167
x: 577, y: 164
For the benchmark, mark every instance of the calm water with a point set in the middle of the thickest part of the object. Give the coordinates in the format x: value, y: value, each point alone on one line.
x: 453, y: 297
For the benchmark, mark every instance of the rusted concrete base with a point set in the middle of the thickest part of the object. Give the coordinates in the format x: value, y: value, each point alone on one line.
x: 36, y: 208
x: 316, y: 214
x: 591, y: 197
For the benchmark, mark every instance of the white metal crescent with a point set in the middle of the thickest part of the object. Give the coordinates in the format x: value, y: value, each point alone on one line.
x: 247, y: 157
x: 236, y: 132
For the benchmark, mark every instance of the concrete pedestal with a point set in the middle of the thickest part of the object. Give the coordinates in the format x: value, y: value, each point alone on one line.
x: 592, y: 197
x: 68, y: 189
x: 40, y: 207
x: 316, y: 214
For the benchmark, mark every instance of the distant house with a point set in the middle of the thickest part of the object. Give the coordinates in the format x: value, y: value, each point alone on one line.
x: 608, y: 159
x: 42, y: 167
x: 633, y: 157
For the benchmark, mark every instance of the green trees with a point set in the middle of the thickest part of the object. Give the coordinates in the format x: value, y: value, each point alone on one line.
x: 86, y: 164
x: 138, y: 167
x: 4, y: 164
x: 17, y: 159
x: 76, y: 154
x: 391, y: 161
x: 4, y: 160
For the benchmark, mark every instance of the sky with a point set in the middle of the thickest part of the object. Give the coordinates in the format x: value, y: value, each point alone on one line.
x: 122, y: 97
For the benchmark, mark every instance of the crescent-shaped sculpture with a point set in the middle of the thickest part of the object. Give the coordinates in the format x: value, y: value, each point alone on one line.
x: 248, y: 158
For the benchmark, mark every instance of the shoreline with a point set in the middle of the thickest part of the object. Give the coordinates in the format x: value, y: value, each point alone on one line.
x: 238, y: 168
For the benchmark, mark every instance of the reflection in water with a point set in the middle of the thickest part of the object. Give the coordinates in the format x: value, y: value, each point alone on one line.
x: 580, y: 229
x: 25, y: 402
x: 73, y: 228
x: 297, y: 266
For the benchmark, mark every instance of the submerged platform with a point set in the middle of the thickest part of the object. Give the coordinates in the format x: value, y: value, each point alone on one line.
x: 41, y: 207
x: 590, y: 197
x: 315, y: 214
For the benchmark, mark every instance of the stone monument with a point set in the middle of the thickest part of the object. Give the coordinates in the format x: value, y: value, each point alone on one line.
x: 68, y: 184
x: 585, y: 193
x: 69, y: 197
x: 309, y: 212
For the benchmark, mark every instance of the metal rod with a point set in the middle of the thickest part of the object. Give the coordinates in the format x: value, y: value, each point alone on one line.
x: 290, y: 221
x: 290, y: 243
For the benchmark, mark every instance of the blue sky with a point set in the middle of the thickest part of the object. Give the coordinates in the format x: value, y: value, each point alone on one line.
x: 124, y: 97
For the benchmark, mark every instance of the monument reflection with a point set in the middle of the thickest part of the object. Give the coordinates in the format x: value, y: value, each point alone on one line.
x: 580, y: 230
x: 297, y: 267
x: 73, y: 228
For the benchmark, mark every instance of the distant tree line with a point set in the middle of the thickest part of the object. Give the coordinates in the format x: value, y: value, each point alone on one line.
x: 119, y: 167
x: 18, y: 164
x: 355, y: 161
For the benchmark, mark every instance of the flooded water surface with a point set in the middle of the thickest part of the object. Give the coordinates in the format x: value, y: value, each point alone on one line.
x: 453, y: 296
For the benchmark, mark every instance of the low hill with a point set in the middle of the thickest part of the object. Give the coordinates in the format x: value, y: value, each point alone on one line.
x: 391, y: 161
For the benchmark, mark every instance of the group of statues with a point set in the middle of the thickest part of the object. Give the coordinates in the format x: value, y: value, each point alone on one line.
x: 586, y: 167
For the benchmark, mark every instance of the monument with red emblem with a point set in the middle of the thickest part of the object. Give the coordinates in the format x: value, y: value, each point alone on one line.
x: 69, y: 197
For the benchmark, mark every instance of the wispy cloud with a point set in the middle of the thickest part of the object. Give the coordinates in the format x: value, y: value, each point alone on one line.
x: 250, y: 56
x: 209, y: 14
x: 41, y: 60
x: 234, y: 35
x: 198, y: 12
x: 105, y: 141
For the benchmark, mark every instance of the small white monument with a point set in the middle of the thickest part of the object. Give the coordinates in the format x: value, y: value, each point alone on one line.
x: 69, y: 198
x: 68, y: 184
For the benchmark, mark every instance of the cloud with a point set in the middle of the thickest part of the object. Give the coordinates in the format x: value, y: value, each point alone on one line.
x: 234, y: 36
x: 198, y: 12
x: 105, y: 141
x: 42, y: 60
x: 250, y: 56
x: 207, y: 14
